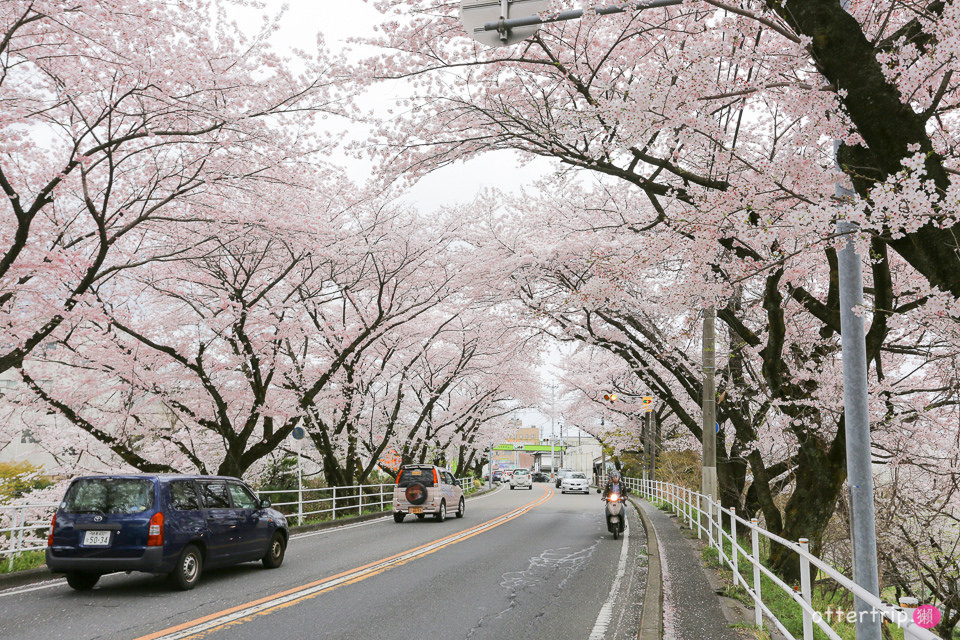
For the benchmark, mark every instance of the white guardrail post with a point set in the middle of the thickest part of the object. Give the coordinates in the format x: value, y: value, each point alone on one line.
x: 333, y: 514
x: 708, y: 511
x: 805, y: 591
x: 733, y: 545
x: 719, y: 527
x: 300, y: 504
x: 698, y: 512
x: 755, y: 558
x: 14, y: 538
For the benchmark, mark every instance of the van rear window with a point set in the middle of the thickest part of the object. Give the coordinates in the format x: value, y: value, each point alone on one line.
x: 109, y: 495
x: 410, y: 476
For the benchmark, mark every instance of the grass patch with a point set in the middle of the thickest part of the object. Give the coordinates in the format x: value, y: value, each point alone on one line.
x: 22, y: 561
x: 759, y: 633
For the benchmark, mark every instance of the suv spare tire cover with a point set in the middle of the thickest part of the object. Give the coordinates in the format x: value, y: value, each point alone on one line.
x: 416, y: 493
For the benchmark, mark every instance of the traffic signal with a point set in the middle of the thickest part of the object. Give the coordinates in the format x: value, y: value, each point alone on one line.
x: 610, y: 397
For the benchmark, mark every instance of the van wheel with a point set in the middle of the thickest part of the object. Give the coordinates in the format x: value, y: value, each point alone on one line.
x: 82, y: 581
x: 189, y: 568
x: 398, y: 516
x: 275, y: 552
x: 442, y: 514
x: 462, y: 508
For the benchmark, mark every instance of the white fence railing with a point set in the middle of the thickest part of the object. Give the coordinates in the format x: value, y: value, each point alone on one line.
x: 24, y: 527
x: 704, y: 515
x: 318, y: 502
x: 337, y: 501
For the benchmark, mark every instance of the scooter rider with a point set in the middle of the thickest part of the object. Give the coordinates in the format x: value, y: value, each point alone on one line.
x: 614, y: 485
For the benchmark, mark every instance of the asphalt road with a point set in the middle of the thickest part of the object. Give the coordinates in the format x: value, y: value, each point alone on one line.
x: 520, y: 564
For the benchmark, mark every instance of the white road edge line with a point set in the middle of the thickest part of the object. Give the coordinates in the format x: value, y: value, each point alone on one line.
x: 13, y: 591
x: 606, y: 611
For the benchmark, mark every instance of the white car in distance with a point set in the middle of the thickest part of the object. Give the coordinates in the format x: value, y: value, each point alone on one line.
x: 521, y: 478
x: 576, y: 482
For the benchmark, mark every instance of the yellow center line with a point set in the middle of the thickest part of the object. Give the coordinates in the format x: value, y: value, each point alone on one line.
x: 269, y: 604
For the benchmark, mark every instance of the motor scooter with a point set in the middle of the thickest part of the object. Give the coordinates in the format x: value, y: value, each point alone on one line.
x: 614, y: 514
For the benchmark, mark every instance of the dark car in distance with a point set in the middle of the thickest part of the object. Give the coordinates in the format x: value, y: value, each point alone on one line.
x: 166, y: 524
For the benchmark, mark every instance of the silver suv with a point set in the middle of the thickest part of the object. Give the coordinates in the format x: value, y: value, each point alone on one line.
x: 521, y: 478
x: 425, y: 488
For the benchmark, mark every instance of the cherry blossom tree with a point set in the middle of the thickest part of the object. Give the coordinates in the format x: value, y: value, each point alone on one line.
x: 589, y: 278
x: 209, y: 362
x: 721, y: 114
x: 123, y: 124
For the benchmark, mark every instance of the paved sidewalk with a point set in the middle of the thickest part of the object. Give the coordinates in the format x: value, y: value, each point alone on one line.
x: 691, y: 607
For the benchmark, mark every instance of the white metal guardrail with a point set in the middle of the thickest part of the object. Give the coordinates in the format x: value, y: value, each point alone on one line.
x: 24, y: 527
x: 318, y: 502
x: 704, y: 514
x: 324, y: 500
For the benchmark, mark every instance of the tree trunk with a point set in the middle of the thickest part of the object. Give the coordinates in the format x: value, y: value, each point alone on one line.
x: 819, y: 479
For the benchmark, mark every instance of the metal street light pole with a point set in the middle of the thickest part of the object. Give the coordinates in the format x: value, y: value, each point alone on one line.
x: 856, y: 420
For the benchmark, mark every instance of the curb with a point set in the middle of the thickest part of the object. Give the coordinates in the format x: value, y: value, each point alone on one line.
x: 735, y: 611
x: 41, y: 574
x: 651, y: 617
x: 28, y: 576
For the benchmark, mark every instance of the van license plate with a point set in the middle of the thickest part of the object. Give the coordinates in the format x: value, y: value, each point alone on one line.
x: 96, y: 539
x: 416, y: 509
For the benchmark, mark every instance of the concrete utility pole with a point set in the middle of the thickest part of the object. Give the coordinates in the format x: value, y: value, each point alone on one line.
x: 649, y: 444
x: 709, y: 481
x: 561, y: 445
x: 490, y: 467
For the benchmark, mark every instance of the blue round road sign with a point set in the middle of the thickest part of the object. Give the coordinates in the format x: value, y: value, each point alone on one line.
x: 298, y: 433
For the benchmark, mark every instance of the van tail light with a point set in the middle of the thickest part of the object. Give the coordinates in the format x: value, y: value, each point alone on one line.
x: 436, y: 480
x: 155, y: 532
x: 53, y: 525
x: 399, y: 473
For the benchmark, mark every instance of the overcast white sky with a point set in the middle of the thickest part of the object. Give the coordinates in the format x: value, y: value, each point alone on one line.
x: 343, y: 19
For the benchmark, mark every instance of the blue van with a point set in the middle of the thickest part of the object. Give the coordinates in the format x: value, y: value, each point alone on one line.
x: 173, y: 524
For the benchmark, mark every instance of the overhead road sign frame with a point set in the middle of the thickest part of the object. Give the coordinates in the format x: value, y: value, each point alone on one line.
x: 528, y: 448
x: 509, y: 24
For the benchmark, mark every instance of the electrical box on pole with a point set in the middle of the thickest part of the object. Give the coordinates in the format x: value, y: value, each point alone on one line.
x: 474, y: 14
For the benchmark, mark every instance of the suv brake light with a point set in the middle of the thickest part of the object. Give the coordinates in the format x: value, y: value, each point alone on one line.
x: 53, y: 525
x: 155, y: 532
x: 436, y: 480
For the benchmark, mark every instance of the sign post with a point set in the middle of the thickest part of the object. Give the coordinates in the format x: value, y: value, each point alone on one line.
x: 298, y: 433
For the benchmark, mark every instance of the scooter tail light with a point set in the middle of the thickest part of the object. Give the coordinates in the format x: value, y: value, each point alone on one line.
x: 155, y: 532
